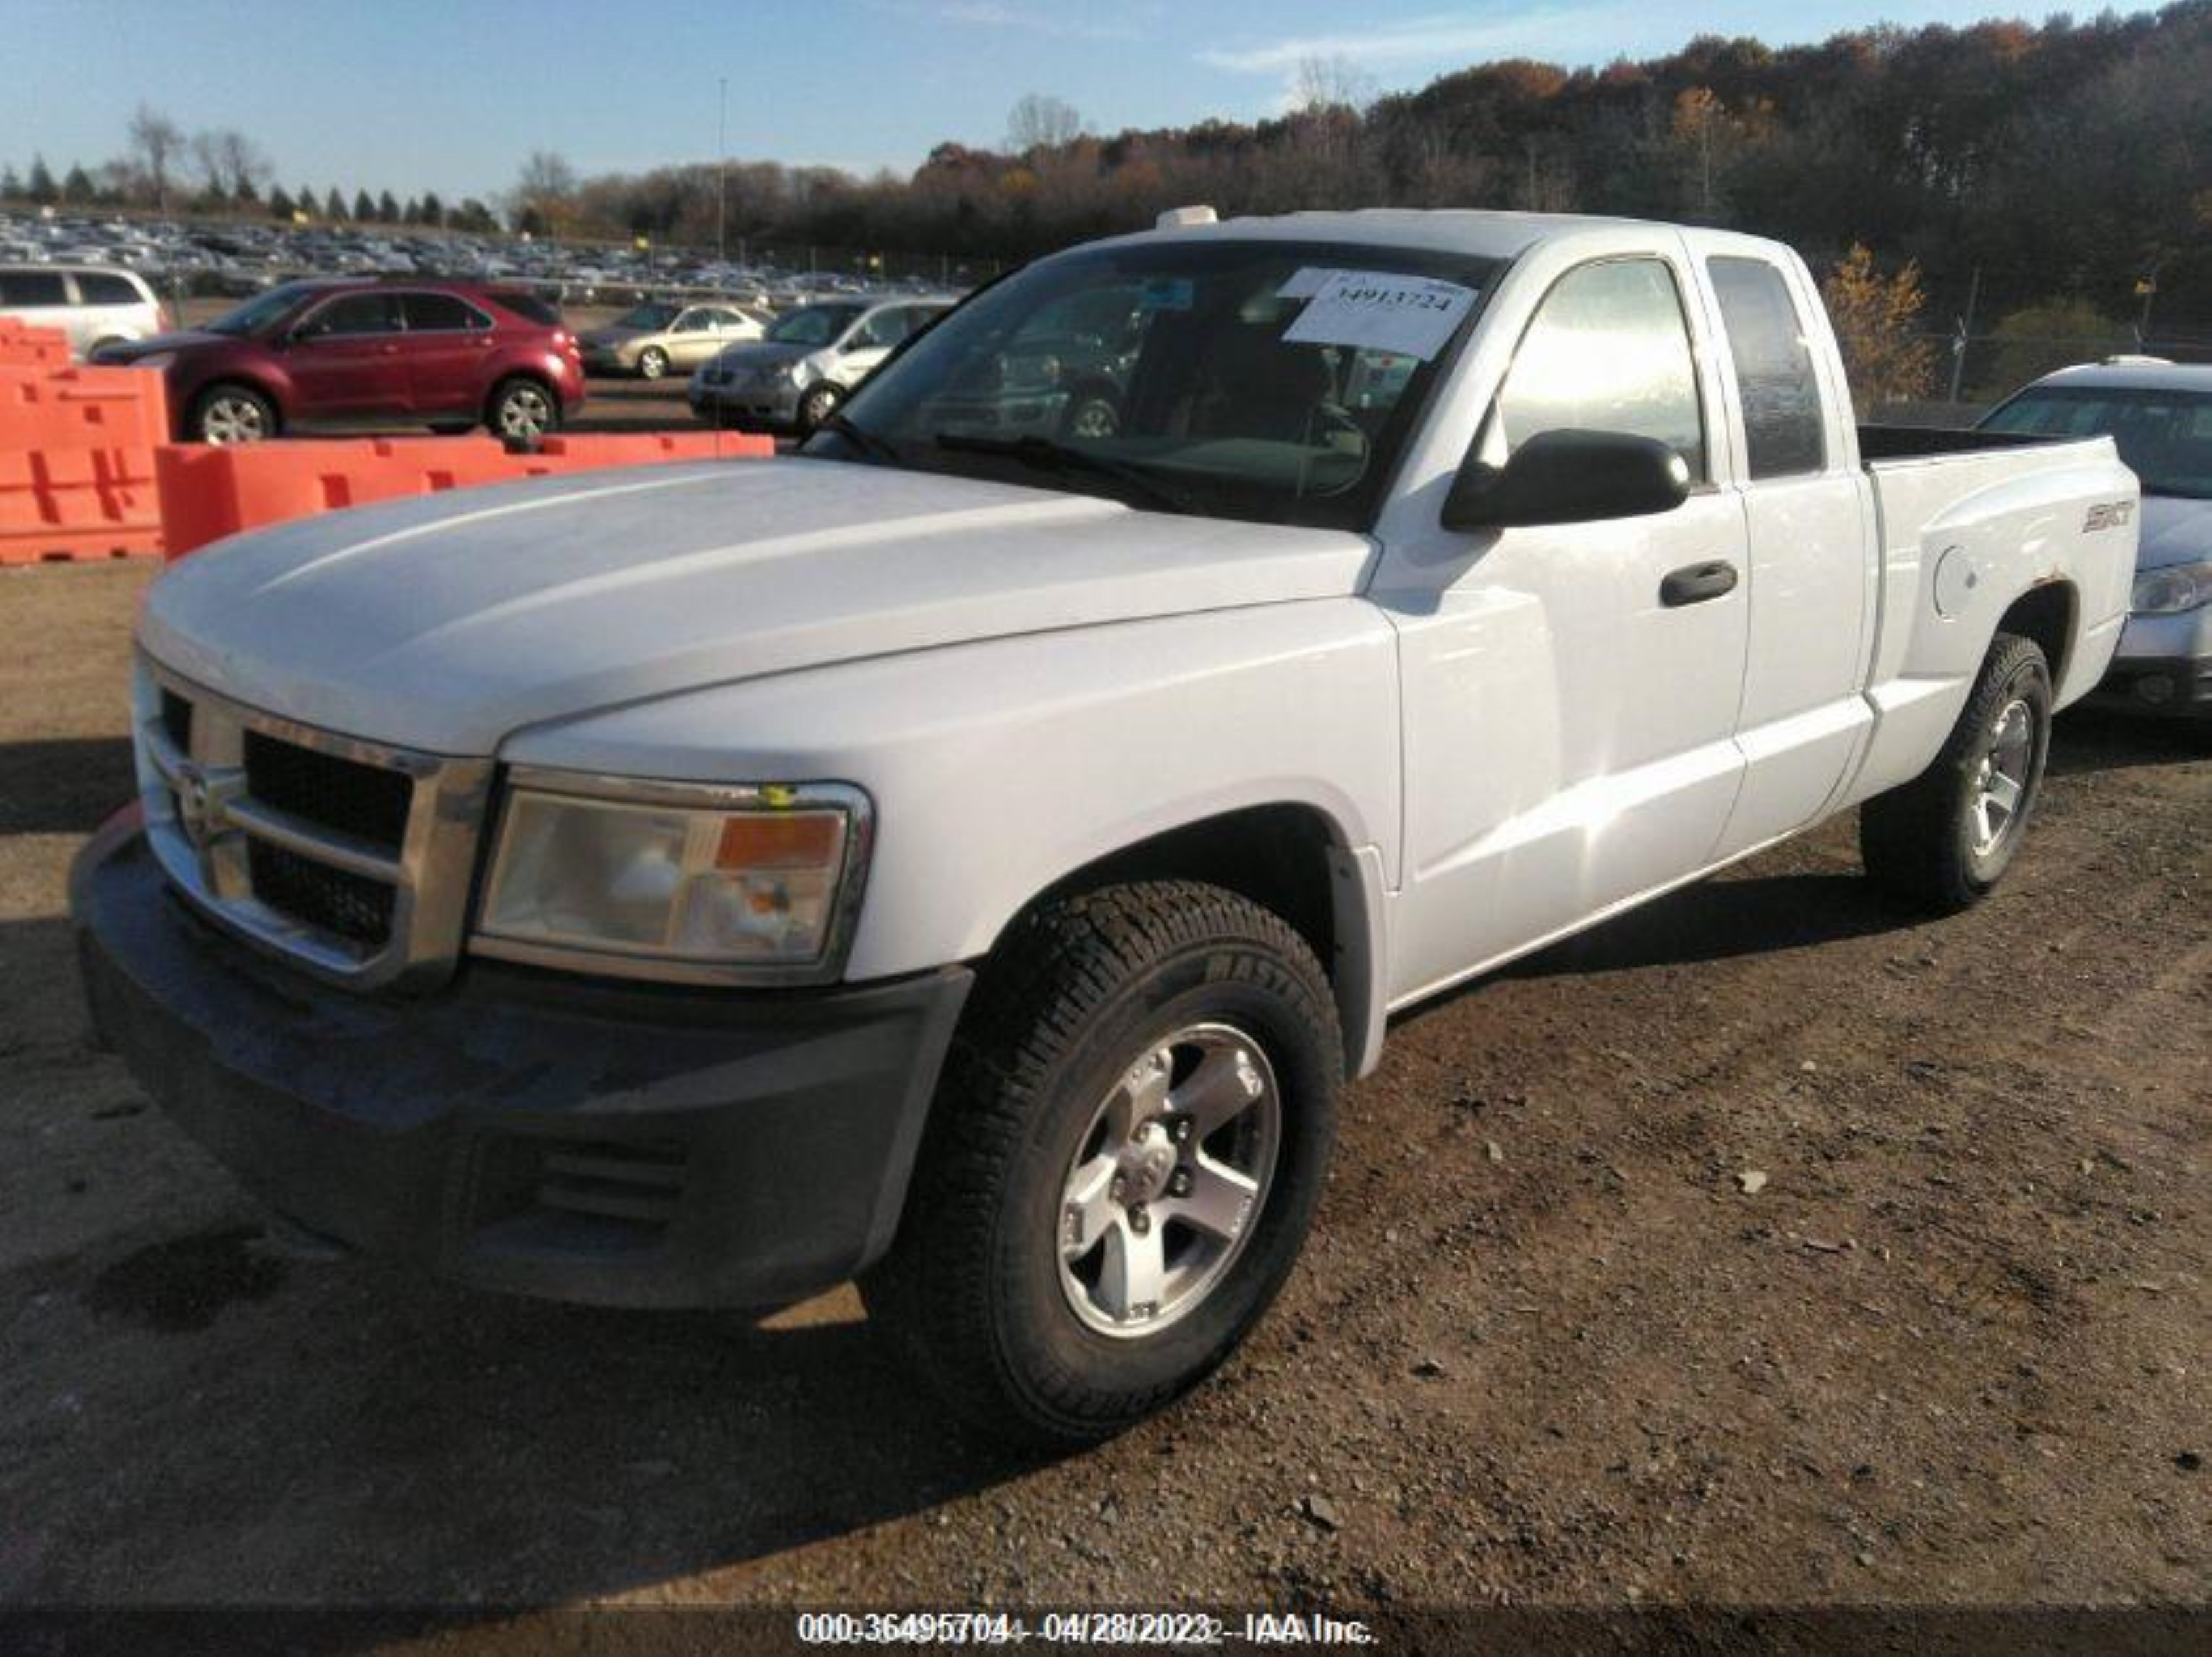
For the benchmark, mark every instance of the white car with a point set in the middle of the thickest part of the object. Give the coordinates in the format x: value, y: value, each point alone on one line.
x: 976, y: 863
x: 2161, y: 416
x: 94, y: 306
x: 808, y: 363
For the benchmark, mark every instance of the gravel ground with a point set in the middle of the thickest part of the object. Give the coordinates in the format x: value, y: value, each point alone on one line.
x: 1556, y: 1341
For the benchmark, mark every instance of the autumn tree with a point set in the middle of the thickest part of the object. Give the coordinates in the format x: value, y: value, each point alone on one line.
x: 1877, y: 323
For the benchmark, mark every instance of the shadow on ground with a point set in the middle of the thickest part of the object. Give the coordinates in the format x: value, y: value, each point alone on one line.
x: 67, y: 786
x: 2088, y: 740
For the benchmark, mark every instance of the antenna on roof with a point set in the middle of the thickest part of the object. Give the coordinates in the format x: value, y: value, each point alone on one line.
x: 1181, y: 218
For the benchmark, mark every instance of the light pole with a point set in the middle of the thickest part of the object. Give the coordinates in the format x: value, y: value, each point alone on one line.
x: 721, y: 164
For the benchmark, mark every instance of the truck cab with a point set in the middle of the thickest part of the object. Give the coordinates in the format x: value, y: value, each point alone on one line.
x: 976, y: 861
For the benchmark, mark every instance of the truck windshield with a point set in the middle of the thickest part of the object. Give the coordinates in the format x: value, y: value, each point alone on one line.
x: 1275, y: 381
x: 2165, y: 437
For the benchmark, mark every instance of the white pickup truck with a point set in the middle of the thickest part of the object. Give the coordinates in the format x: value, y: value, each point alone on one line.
x: 973, y: 862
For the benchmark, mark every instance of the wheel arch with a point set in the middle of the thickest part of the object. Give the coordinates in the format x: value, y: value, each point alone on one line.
x: 1292, y: 859
x: 2049, y: 613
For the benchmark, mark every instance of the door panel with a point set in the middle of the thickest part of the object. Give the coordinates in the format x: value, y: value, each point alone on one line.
x: 1569, y: 741
x: 1570, y: 738
x: 445, y: 346
x: 345, y: 360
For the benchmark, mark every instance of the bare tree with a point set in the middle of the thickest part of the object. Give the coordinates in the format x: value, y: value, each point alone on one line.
x: 1331, y: 83
x: 244, y: 165
x: 544, y: 190
x: 157, y: 142
x: 1039, y: 122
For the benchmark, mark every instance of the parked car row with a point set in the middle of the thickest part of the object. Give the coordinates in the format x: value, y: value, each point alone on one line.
x: 237, y: 258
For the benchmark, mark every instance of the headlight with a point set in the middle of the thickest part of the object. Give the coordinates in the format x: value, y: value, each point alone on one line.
x: 154, y: 359
x: 674, y: 880
x: 2170, y: 590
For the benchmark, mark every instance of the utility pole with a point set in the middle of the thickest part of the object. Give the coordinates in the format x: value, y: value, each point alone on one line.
x: 1966, y: 335
x: 722, y: 165
x: 2148, y: 287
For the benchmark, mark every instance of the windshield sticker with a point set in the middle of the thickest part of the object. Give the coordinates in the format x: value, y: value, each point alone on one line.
x: 1375, y: 311
x: 1167, y: 294
x: 1307, y: 282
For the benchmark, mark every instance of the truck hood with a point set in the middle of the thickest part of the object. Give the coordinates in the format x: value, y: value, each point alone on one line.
x: 2174, y: 531
x: 446, y: 623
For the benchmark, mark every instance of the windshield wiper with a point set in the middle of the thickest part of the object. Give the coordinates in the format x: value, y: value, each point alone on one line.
x: 1046, y: 455
x: 867, y: 442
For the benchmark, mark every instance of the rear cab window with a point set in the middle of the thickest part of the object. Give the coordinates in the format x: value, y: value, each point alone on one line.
x: 1784, y: 434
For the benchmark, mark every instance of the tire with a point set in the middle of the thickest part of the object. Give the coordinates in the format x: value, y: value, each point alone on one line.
x: 817, y: 404
x: 1092, y: 413
x: 521, y: 409
x: 1944, y: 840
x: 652, y: 363
x: 1018, y: 1324
x: 231, y: 413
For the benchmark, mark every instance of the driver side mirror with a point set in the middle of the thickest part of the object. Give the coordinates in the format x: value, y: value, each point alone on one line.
x: 1568, y: 477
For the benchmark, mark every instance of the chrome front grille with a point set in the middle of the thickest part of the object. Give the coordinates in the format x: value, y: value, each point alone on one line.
x: 351, y: 859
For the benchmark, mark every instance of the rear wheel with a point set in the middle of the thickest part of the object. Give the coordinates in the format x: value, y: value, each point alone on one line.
x: 1122, y: 1163
x: 652, y: 362
x: 522, y: 408
x: 230, y: 414
x: 1945, y: 839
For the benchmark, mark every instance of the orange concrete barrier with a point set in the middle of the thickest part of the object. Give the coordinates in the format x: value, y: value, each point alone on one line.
x: 208, y: 493
x: 78, y: 449
x: 24, y: 345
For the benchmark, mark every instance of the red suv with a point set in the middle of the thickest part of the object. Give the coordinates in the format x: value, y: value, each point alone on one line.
x: 448, y: 355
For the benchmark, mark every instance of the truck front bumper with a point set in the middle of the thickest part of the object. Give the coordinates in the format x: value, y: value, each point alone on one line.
x: 521, y: 1131
x: 2163, y: 665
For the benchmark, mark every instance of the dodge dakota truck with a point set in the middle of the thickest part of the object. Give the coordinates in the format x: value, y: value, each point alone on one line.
x: 973, y: 863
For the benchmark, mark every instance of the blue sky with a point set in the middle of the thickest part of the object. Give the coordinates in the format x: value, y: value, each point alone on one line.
x: 451, y: 95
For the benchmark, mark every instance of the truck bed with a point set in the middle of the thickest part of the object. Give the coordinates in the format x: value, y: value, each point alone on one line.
x: 1879, y: 443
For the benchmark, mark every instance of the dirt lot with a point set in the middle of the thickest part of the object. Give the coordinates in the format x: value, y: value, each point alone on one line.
x: 1546, y: 1349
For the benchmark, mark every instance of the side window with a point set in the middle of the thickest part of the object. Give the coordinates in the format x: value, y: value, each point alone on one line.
x: 354, y: 314
x: 32, y: 288
x: 885, y: 328
x: 694, y: 321
x: 1608, y: 351
x: 1784, y: 430
x: 105, y: 288
x: 441, y: 314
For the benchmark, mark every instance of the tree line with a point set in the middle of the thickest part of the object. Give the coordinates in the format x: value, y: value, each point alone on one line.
x: 2010, y: 166
x: 220, y: 172
x: 2013, y: 164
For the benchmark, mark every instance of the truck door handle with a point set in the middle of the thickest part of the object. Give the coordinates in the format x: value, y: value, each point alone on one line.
x: 1697, y: 583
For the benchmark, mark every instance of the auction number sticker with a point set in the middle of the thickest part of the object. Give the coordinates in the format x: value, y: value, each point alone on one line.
x: 1376, y: 311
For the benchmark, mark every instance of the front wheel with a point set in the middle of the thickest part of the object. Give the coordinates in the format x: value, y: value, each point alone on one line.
x: 818, y: 405
x: 1944, y: 840
x: 1122, y: 1162
x: 224, y: 415
x: 522, y: 409
x: 652, y: 362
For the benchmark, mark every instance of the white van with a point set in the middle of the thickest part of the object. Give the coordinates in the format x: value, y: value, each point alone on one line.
x: 93, y: 305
